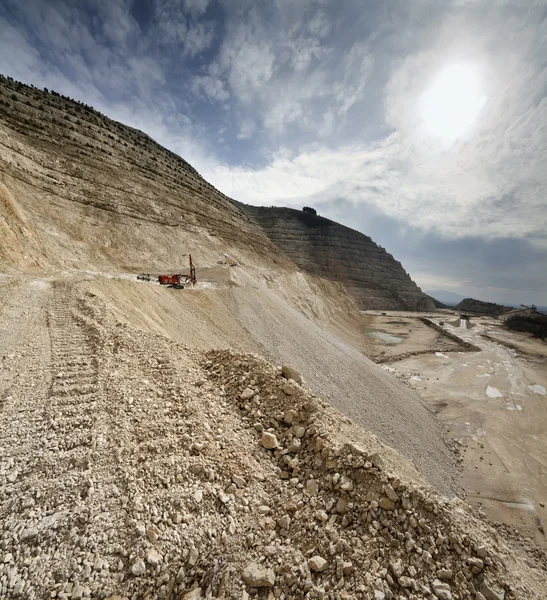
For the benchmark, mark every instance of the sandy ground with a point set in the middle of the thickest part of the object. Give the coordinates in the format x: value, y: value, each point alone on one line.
x: 395, y: 334
x: 495, y: 402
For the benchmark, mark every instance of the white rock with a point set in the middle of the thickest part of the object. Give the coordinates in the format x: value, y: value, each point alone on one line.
x: 239, y: 481
x: 377, y: 461
x: 153, y: 557
x: 299, y: 431
x: 29, y: 533
x: 397, y: 568
x: 138, y: 568
x: 247, y: 393
x: 405, y: 582
x: 490, y: 593
x: 269, y: 440
x: 390, y: 493
x: 290, y: 373
x: 294, y: 446
x: 386, y: 503
x: 193, y: 557
x: 317, y: 563
x: 441, y: 590
x: 312, y: 487
x: 284, y: 522
x: 255, y: 575
x: 289, y: 389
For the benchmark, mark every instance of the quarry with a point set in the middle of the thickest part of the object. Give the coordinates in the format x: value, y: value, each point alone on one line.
x: 299, y: 422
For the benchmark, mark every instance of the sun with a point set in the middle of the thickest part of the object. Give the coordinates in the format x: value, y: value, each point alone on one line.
x: 452, y: 103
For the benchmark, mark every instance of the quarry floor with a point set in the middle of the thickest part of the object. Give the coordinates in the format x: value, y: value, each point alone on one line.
x: 106, y: 407
x: 493, y: 402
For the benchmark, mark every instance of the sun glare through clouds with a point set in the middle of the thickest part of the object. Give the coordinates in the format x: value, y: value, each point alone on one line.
x: 452, y: 103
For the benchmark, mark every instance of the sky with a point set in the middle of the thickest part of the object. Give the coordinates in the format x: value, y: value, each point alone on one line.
x: 422, y: 123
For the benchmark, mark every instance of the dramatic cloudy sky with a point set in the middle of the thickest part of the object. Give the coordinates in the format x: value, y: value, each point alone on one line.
x: 422, y: 123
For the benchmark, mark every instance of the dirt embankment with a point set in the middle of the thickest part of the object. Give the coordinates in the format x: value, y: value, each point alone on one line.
x: 141, y: 468
x: 270, y: 320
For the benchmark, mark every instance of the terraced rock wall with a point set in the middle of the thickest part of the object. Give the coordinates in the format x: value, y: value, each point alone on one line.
x: 328, y: 249
x: 80, y: 190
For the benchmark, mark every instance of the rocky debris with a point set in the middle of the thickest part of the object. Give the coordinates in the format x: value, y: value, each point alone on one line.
x: 269, y: 440
x: 247, y: 393
x: 289, y: 389
x: 441, y: 590
x: 290, y: 373
x: 256, y: 576
x: 175, y: 495
x: 317, y: 563
x: 138, y: 568
x: 490, y: 593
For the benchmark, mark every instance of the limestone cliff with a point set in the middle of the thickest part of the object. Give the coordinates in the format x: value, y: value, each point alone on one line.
x: 81, y: 191
x: 328, y: 249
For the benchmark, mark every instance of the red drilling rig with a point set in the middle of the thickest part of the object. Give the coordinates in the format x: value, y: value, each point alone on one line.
x: 176, y: 280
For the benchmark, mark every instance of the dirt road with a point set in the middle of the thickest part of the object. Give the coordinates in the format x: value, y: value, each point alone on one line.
x: 495, y: 402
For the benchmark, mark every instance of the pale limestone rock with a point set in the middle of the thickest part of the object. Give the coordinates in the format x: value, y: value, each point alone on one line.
x: 317, y: 563
x: 269, y: 440
x: 255, y: 575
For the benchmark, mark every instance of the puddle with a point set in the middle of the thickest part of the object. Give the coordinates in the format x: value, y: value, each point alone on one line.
x: 387, y: 338
x: 493, y: 392
x: 538, y: 389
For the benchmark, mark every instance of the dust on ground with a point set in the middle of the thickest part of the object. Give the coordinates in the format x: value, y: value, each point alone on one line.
x: 493, y: 402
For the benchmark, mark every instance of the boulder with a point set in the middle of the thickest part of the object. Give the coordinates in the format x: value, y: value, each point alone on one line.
x: 290, y: 373
x: 255, y: 575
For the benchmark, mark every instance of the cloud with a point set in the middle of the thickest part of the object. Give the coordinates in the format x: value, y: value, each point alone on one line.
x: 320, y: 102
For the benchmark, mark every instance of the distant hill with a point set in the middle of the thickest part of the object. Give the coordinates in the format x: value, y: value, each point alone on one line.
x: 437, y: 303
x: 445, y: 297
x: 484, y: 308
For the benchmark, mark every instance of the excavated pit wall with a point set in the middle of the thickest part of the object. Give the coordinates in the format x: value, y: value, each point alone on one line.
x: 325, y: 248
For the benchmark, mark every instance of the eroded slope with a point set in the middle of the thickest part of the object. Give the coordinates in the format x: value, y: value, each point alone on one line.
x: 328, y: 249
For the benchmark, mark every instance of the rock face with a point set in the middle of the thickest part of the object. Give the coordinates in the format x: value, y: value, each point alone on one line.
x: 328, y: 249
x: 483, y: 308
x: 79, y: 190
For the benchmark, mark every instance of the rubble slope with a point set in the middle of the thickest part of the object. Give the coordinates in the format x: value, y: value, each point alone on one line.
x: 140, y: 468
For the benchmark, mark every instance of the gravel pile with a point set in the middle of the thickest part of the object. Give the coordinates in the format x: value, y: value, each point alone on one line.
x: 132, y: 467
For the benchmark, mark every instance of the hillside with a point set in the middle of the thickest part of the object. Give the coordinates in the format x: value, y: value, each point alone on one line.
x: 325, y: 248
x: 79, y: 190
x: 221, y: 441
x: 82, y: 191
x: 483, y: 308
